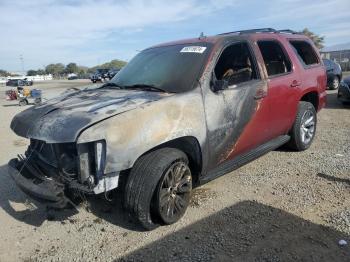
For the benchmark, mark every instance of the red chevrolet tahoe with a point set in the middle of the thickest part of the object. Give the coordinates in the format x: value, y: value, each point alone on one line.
x: 177, y: 115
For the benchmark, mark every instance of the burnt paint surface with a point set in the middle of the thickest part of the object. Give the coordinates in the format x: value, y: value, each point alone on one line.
x: 62, y: 119
x: 228, y: 113
x: 133, y: 133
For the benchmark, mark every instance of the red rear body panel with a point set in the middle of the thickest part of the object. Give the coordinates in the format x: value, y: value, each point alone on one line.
x: 277, y: 110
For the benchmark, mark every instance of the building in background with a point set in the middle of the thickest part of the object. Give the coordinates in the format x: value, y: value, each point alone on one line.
x: 338, y: 53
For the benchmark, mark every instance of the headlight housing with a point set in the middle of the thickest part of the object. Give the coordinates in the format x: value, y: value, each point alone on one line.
x: 92, y: 160
x: 100, y: 157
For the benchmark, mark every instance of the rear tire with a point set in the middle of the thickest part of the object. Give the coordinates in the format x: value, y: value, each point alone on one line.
x: 142, y: 197
x: 304, y: 127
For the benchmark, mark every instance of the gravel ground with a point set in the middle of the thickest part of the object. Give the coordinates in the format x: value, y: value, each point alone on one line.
x: 285, y: 206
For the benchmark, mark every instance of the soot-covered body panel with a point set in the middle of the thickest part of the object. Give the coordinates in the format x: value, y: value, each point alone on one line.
x: 62, y: 119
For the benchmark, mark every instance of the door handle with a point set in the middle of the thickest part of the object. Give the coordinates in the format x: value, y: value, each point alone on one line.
x: 295, y: 83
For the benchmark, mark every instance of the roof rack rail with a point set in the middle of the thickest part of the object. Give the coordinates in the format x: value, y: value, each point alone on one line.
x: 288, y: 31
x: 257, y: 30
x: 261, y: 30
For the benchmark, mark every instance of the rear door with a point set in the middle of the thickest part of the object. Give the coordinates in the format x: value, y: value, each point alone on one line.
x: 283, y: 82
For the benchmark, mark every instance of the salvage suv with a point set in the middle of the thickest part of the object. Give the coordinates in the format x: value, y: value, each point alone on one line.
x: 176, y: 116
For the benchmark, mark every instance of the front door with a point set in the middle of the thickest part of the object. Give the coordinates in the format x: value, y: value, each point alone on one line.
x: 237, y: 116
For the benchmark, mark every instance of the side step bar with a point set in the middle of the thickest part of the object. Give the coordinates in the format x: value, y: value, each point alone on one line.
x: 241, y: 160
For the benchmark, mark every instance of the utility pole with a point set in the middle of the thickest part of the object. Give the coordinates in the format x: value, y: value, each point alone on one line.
x: 22, y: 63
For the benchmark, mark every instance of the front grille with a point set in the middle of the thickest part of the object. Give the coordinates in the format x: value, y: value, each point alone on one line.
x: 62, y: 157
x: 46, y: 152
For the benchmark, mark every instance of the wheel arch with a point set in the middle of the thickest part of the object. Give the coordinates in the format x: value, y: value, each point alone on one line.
x: 312, y: 97
x: 191, y: 147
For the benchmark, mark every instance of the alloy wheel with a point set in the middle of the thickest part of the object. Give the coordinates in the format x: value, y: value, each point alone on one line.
x: 174, y: 192
x: 335, y: 83
x: 307, y: 128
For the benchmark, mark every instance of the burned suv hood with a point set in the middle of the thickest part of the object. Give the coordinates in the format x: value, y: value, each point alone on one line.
x: 62, y: 119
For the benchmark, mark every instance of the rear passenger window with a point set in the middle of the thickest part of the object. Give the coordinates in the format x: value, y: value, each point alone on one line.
x: 276, y: 61
x: 305, y: 52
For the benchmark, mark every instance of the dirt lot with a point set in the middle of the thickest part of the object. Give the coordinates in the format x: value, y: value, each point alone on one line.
x: 285, y: 206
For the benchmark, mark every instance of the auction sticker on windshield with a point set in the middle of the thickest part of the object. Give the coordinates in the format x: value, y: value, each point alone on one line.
x: 193, y: 49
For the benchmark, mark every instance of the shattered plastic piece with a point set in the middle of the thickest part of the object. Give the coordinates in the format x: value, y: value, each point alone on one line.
x: 342, y: 242
x: 339, y: 155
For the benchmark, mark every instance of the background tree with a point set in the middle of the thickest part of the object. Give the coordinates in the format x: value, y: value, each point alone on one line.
x: 55, y: 69
x: 40, y: 72
x: 36, y: 72
x: 82, y: 69
x: 60, y: 70
x: 317, y: 39
x: 32, y: 72
x: 4, y: 73
x: 71, y: 68
x: 116, y: 63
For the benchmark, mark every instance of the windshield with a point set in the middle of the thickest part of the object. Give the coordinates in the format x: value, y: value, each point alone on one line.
x: 173, y: 68
x: 101, y: 71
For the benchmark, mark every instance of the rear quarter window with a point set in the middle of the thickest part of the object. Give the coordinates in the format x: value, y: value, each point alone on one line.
x: 305, y: 52
x: 276, y: 60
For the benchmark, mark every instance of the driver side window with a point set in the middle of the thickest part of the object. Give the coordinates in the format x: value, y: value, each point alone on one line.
x: 236, y: 65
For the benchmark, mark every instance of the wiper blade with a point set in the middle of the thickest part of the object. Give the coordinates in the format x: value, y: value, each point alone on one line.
x: 111, y: 84
x: 146, y: 87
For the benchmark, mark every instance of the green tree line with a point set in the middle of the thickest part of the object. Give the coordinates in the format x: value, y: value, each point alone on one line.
x: 60, y: 70
x: 4, y: 73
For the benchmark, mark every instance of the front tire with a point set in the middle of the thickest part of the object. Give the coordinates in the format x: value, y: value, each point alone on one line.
x: 158, y: 188
x: 304, y: 127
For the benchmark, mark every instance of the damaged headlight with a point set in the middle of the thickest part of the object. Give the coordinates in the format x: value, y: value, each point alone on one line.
x: 92, y: 158
x: 100, y: 157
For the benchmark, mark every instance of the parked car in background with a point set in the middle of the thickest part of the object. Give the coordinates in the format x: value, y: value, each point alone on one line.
x: 344, y: 91
x: 177, y: 116
x: 334, y: 74
x: 101, y: 75
x: 72, y: 77
x: 111, y: 73
x: 19, y: 82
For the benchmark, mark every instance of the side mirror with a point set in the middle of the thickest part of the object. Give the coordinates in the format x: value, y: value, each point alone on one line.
x: 220, y: 85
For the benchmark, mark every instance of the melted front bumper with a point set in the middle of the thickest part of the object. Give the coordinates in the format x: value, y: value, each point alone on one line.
x: 38, y: 187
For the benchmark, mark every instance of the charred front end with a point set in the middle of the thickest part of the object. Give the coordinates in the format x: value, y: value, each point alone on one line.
x: 51, y: 172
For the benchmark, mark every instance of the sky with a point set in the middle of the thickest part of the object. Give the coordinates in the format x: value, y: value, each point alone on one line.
x: 91, y: 32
